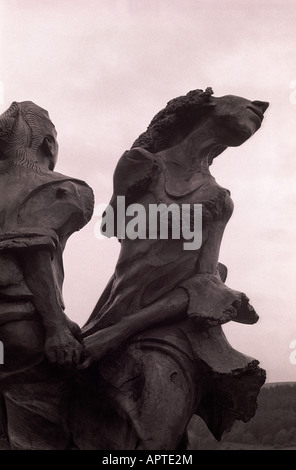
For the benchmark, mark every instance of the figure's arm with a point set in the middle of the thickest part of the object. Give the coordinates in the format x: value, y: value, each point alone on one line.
x: 170, y: 308
x: 203, y: 298
x: 60, y: 345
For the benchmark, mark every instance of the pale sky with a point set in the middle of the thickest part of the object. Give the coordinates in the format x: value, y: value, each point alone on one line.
x: 104, y: 68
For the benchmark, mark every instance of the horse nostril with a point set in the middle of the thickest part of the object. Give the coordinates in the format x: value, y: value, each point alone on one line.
x: 263, y: 105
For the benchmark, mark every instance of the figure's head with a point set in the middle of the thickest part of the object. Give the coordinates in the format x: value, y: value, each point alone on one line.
x: 236, y: 119
x: 27, y: 127
x: 230, y: 120
x: 173, y: 123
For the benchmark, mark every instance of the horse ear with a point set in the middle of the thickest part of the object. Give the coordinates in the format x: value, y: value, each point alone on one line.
x: 49, y: 150
x: 48, y: 146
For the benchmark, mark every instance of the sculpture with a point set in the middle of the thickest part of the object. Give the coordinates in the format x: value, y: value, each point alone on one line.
x: 40, y: 209
x: 156, y: 329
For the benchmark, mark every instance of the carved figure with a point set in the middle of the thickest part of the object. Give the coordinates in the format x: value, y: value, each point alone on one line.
x: 153, y: 352
x: 39, y: 210
x: 159, y: 319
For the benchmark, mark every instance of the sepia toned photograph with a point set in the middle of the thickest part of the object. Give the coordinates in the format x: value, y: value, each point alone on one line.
x: 147, y: 216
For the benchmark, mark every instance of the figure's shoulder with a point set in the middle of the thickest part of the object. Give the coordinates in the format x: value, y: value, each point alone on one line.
x: 135, y: 166
x: 74, y: 185
x: 58, y: 183
x: 55, y: 200
x: 53, y: 177
x: 138, y: 154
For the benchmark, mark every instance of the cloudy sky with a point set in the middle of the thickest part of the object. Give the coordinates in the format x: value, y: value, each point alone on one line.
x: 104, y: 68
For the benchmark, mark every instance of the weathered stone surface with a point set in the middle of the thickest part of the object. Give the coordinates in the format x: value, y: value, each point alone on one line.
x: 165, y: 305
x: 39, y: 210
x: 153, y: 352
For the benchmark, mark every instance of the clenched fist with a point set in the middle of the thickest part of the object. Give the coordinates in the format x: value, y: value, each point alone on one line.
x: 61, y: 347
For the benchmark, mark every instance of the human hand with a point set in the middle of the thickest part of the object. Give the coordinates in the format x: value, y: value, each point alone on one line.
x: 62, y: 348
x: 96, y: 346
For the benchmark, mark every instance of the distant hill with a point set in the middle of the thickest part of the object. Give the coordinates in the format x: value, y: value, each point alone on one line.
x: 273, y: 426
x: 275, y: 384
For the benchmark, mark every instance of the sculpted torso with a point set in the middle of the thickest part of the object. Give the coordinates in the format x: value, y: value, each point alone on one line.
x: 157, y: 266
x: 39, y: 210
x: 177, y: 174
